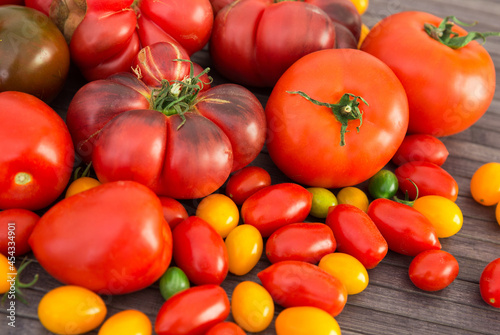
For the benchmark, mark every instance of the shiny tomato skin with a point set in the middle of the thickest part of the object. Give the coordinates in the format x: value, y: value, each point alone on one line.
x: 323, y: 76
x: 489, y: 283
x: 244, y: 246
x: 127, y: 321
x: 406, y: 230
x: 305, y: 320
x: 252, y: 307
x: 104, y: 219
x: 245, y: 182
x: 469, y: 71
x: 35, y: 56
x: 200, y: 251
x: 431, y: 179
x: 485, y: 184
x: 226, y: 328
x: 433, y: 270
x: 296, y: 283
x: 37, y: 153
x: 307, y: 242
x: 357, y: 235
x: 421, y: 147
x: 275, y: 206
x: 193, y: 311
x: 173, y: 211
x: 16, y: 225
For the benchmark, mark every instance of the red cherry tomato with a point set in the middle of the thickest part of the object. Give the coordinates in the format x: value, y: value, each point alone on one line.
x: 276, y: 206
x: 431, y: 179
x: 173, y: 211
x: 296, y: 283
x: 307, y: 242
x: 433, y: 270
x: 357, y: 235
x: 421, y: 147
x: 489, y: 283
x: 245, y: 182
x: 200, y: 251
x: 193, y: 311
x: 405, y: 229
x: 225, y: 328
x: 16, y: 225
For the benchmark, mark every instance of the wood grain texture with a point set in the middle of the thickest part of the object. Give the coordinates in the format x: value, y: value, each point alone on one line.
x: 390, y: 305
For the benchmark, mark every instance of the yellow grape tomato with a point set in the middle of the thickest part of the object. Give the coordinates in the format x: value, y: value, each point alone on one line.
x: 128, y: 322
x: 252, y: 306
x: 347, y: 269
x: 8, y: 273
x: 361, y: 5
x: 485, y: 184
x: 353, y: 196
x: 220, y: 212
x: 244, y: 246
x: 81, y: 184
x: 444, y: 214
x: 306, y: 320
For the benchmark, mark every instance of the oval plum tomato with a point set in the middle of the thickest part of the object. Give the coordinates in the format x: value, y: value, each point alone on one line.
x: 406, y: 230
x: 384, y: 184
x: 16, y: 225
x: 193, y: 311
x: 245, y: 182
x: 71, y: 309
x: 296, y: 283
x: 173, y: 281
x: 173, y: 211
x: 485, y: 184
x: 347, y: 269
x: 252, y: 306
x: 127, y: 321
x: 37, y: 153
x: 433, y: 270
x: 305, y: 320
x: 444, y: 214
x: 353, y: 196
x: 322, y: 200
x: 469, y: 71
x: 244, y: 246
x: 357, y: 235
x: 200, y: 251
x: 331, y: 88
x: 421, y: 147
x: 307, y: 242
x: 226, y: 328
x: 220, y: 212
x: 489, y: 283
x: 430, y: 179
x: 275, y: 206
x: 35, y: 56
x: 132, y: 216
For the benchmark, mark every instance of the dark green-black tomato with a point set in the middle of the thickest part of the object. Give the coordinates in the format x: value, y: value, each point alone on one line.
x: 173, y: 281
x: 384, y: 184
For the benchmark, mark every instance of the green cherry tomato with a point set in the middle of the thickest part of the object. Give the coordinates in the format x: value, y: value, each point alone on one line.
x: 384, y: 184
x: 173, y: 281
x: 321, y: 201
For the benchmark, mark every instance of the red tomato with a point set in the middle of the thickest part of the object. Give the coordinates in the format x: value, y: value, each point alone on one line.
x: 200, y: 252
x: 111, y: 239
x: 296, y: 283
x: 193, y: 311
x: 489, y: 283
x: 215, y: 138
x: 431, y: 179
x: 245, y: 182
x: 12, y: 2
x: 357, y: 235
x: 37, y: 153
x: 226, y: 328
x: 448, y: 89
x: 307, y: 242
x: 217, y: 5
x: 275, y: 206
x: 16, y: 225
x: 40, y: 5
x: 433, y: 270
x: 173, y: 211
x: 337, y: 146
x: 405, y: 229
x: 421, y: 147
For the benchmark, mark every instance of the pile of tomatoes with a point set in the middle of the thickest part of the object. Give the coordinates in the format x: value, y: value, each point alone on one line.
x: 347, y: 112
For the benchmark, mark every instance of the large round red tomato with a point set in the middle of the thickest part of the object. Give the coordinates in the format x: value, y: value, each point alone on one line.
x: 351, y: 112
x: 37, y: 154
x: 449, y: 88
x: 35, y: 56
x: 111, y: 239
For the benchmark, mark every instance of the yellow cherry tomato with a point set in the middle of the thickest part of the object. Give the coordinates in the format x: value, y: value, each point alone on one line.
x: 8, y: 274
x: 347, y: 269
x: 485, y: 184
x: 220, y: 212
x: 353, y: 196
x: 361, y: 5
x: 444, y: 214
x: 128, y: 322
x: 364, y: 31
x: 244, y: 246
x: 321, y: 201
x: 81, y: 184
x: 306, y: 320
x: 71, y: 310
x: 252, y: 306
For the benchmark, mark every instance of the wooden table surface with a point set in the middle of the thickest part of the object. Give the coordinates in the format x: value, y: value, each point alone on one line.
x: 390, y: 304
